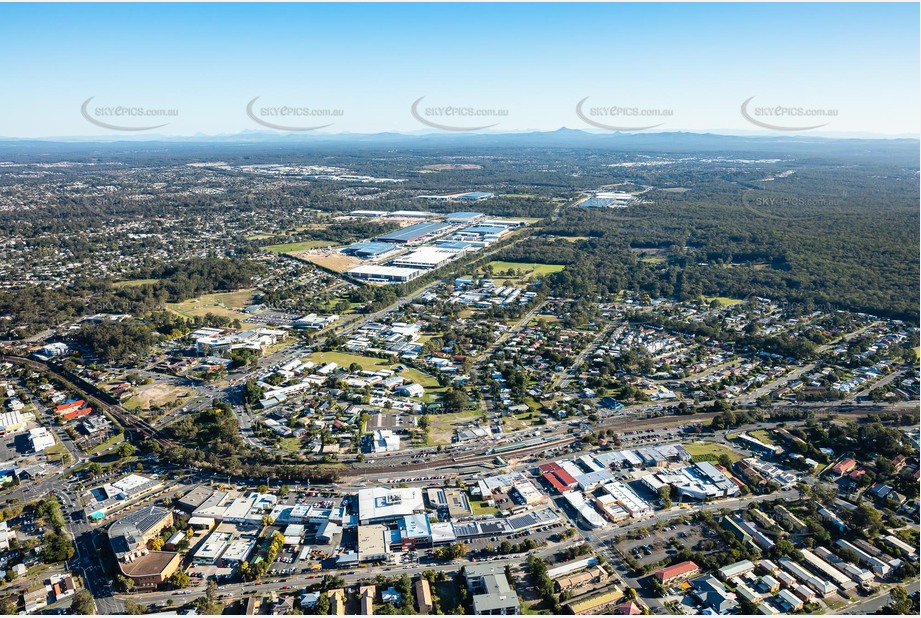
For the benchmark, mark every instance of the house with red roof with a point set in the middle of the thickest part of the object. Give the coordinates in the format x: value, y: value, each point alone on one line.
x: 680, y: 572
x: 844, y: 466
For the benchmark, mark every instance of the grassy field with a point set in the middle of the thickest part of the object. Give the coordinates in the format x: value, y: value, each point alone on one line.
x: 227, y: 304
x: 104, y: 445
x: 291, y: 445
x: 344, y: 359
x: 292, y: 247
x: 133, y: 283
x: 763, y: 435
x: 482, y: 508
x: 441, y: 426
x: 420, y: 378
x: 700, y: 451
x: 725, y: 301
x: 527, y: 270
x: 519, y: 421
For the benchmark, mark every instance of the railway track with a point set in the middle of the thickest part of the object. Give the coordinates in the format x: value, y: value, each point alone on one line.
x: 461, y: 460
x: 128, y: 421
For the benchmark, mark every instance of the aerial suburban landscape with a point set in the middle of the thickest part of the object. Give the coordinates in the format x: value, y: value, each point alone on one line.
x: 556, y: 372
x: 482, y: 382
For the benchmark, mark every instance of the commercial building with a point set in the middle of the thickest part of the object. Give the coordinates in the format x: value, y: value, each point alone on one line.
x: 237, y: 551
x: 313, y: 322
x: 129, y: 535
x: 486, y: 234
x: 54, y: 349
x: 385, y: 441
x: 109, y: 498
x: 410, y: 390
x: 464, y: 217
x: 567, y: 568
x: 152, y: 569
x: 451, y: 498
x: 413, y: 233
x: 424, y: 600
x: 95, y: 424
x: 425, y: 258
x: 528, y: 492
x: 384, y: 274
x: 214, y: 341
x: 11, y: 422
x: 373, y: 543
x: 698, y: 482
x: 411, y: 214
x: 413, y: 529
x: 490, y: 590
x: 471, y: 196
x: 591, y: 575
x: 676, y: 573
x: 210, y: 551
x: 40, y: 439
x: 628, y: 499
x: 589, y: 515
x: 382, y: 504
x: 499, y: 483
x: 596, y: 603
x: 370, y: 250
x: 608, y: 506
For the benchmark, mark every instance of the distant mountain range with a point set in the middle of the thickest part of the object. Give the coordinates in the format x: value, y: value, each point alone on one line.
x: 663, y: 142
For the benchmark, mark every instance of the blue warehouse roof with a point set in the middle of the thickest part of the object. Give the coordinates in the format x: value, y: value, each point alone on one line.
x: 413, y: 232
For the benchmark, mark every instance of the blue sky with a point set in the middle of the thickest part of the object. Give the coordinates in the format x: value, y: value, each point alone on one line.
x: 537, y: 61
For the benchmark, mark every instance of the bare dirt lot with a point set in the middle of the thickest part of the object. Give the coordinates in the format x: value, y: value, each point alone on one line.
x: 333, y: 260
x: 148, y: 396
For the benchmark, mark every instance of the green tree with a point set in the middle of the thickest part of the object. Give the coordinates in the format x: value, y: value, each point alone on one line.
x: 124, y: 584
x: 665, y: 496
x: 125, y: 450
x: 83, y: 603
x: 133, y: 608
x: 866, y: 518
x: 179, y: 579
x: 8, y: 605
x: 899, y: 601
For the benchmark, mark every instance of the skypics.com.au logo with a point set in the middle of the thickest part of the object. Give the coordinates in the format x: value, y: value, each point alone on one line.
x: 785, y: 118
x: 124, y: 117
x: 444, y: 118
x: 626, y: 118
x: 788, y: 207
x: 278, y: 117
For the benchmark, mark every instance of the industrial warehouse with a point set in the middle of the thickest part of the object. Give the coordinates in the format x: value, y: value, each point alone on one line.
x: 404, y: 254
